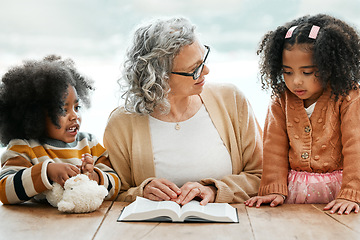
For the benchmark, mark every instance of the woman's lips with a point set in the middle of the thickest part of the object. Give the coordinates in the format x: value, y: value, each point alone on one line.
x: 201, y: 82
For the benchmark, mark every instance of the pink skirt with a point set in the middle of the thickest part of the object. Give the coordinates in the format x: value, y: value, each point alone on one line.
x: 305, y: 187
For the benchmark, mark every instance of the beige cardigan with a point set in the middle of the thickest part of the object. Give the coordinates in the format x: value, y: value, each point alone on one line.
x: 127, y: 139
x: 328, y: 141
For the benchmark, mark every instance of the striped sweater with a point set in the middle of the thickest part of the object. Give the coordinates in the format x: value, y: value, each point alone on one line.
x: 24, y: 164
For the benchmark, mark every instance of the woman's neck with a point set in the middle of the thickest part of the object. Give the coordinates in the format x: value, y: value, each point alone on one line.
x: 181, y: 108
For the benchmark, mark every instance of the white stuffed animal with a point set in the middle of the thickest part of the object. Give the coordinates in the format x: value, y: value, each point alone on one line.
x: 79, y: 195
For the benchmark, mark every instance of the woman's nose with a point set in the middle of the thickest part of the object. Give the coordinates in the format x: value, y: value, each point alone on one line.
x: 206, y: 70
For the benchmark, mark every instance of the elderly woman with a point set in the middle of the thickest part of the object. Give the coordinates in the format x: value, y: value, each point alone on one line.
x: 177, y: 138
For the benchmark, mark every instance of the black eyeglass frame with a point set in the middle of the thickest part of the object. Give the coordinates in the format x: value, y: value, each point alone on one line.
x: 199, y: 68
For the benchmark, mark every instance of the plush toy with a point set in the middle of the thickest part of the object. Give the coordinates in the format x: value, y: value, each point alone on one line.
x: 79, y: 195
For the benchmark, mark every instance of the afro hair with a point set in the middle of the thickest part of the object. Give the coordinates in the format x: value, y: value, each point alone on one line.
x: 34, y: 90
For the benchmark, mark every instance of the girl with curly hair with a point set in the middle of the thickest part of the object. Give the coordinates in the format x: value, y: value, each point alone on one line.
x: 40, y: 119
x: 311, y: 133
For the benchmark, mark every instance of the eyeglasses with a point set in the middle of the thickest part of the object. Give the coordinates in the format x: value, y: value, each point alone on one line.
x: 197, y: 72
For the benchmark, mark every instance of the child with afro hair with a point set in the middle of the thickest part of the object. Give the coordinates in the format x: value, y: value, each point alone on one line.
x: 40, y: 119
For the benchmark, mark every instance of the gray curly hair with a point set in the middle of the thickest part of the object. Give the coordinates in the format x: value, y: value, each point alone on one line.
x: 149, y: 62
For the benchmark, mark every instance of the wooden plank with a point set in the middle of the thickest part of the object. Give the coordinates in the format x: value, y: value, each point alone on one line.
x: 352, y: 220
x: 296, y: 221
x: 111, y: 229
x: 32, y: 220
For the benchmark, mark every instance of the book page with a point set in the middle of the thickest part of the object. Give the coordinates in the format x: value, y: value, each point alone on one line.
x: 217, y: 212
x: 145, y: 209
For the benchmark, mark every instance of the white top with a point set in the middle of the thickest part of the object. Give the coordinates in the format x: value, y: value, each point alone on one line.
x: 309, y: 110
x: 192, y: 153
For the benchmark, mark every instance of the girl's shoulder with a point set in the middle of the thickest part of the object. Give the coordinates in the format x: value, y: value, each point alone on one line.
x: 282, y: 99
x: 351, y: 100
x: 353, y: 95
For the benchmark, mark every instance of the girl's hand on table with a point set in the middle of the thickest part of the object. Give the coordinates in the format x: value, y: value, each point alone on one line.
x: 273, y: 199
x: 342, y: 206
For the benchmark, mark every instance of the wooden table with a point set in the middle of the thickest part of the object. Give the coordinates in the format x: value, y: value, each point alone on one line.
x: 305, y: 221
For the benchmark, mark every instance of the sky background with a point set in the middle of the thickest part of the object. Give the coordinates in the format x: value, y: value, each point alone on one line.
x: 96, y: 34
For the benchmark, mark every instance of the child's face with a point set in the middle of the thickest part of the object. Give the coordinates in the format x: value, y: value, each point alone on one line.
x: 299, y: 74
x: 69, y: 123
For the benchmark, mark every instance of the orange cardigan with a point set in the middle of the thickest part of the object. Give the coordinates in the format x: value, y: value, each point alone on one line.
x: 328, y: 141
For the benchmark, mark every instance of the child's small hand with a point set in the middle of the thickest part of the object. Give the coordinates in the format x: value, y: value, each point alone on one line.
x: 342, y: 206
x: 60, y: 172
x: 87, y: 167
x: 273, y: 199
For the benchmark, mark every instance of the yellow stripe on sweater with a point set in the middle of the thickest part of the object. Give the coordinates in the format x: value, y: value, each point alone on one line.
x: 39, y: 151
x: 3, y: 197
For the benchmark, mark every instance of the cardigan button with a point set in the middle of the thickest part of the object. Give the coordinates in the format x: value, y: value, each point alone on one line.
x: 305, y: 155
x: 317, y: 157
x: 307, y: 129
x: 296, y: 120
x: 320, y: 120
x: 323, y: 146
x: 296, y: 137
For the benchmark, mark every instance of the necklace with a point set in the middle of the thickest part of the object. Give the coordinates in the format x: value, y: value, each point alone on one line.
x: 177, y: 124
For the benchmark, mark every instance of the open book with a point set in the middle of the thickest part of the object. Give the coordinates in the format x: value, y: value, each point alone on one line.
x: 143, y: 209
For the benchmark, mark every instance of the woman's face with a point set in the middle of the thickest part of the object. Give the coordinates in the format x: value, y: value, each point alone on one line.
x: 69, y: 122
x: 189, y: 58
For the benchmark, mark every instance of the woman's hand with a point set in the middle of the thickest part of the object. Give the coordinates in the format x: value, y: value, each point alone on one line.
x: 273, y: 199
x: 342, y: 206
x: 60, y: 172
x: 161, y: 190
x: 191, y: 190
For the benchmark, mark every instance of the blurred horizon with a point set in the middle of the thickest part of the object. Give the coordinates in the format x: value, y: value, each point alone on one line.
x: 96, y: 34
x: 102, y: 29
